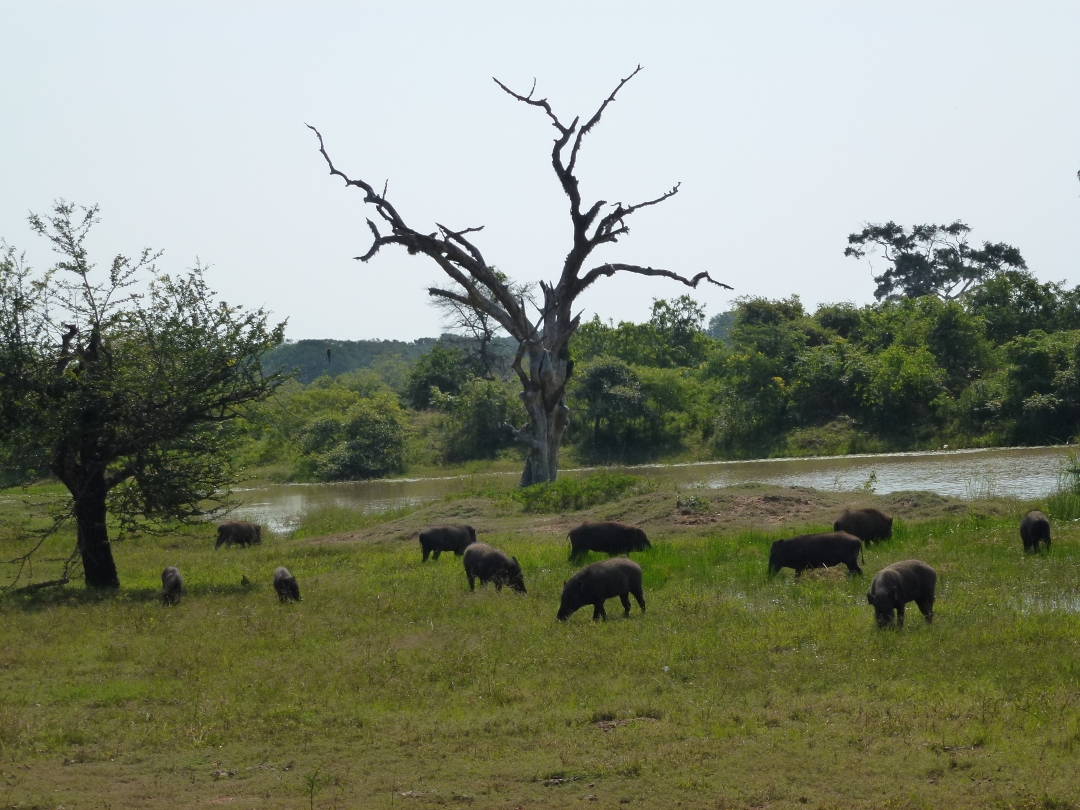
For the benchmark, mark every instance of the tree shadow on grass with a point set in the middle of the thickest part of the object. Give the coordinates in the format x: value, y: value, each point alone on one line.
x: 73, y: 596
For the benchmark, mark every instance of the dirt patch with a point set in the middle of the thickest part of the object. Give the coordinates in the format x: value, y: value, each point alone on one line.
x: 752, y: 506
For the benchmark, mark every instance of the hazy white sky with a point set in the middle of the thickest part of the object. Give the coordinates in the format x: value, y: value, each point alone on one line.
x: 788, y: 124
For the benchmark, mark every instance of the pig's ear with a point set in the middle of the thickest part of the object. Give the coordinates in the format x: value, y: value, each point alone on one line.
x: 892, y: 593
x: 869, y: 598
x: 514, y: 559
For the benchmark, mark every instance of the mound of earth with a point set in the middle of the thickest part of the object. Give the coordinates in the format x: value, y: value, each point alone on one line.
x: 669, y: 513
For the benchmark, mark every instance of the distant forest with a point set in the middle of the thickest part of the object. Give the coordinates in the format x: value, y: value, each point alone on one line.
x: 313, y: 358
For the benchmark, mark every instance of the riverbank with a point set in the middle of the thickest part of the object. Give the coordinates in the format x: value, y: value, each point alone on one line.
x: 1025, y: 473
x: 391, y: 685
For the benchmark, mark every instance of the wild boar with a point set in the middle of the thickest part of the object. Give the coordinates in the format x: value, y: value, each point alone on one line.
x: 607, y: 538
x: 815, y: 551
x: 172, y: 585
x: 896, y: 585
x: 1035, y: 529
x: 438, y: 539
x: 285, y: 585
x: 489, y: 564
x: 238, y: 532
x: 866, y: 524
x: 600, y: 581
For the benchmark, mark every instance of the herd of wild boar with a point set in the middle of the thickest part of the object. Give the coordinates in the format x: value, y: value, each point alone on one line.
x: 891, y: 589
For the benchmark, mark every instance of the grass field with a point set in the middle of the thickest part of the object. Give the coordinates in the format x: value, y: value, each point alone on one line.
x: 391, y: 685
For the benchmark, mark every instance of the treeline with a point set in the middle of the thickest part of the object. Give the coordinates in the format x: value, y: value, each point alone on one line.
x: 998, y: 365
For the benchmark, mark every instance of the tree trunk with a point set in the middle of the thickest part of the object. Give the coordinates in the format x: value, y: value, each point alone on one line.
x: 98, y: 566
x: 549, y: 416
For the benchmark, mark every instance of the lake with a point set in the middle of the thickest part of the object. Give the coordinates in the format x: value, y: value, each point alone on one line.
x: 1023, y: 472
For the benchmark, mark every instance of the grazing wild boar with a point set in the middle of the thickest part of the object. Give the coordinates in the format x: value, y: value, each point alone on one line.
x: 489, y: 564
x: 238, y: 532
x: 1035, y: 529
x: 607, y: 538
x: 815, y: 551
x: 285, y: 585
x: 896, y: 585
x: 866, y: 524
x: 172, y: 585
x: 603, y: 580
x: 438, y: 539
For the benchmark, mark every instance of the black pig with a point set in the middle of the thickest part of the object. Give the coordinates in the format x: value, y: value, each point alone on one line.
x: 606, y: 538
x: 1035, y: 529
x: 438, y: 539
x: 815, y: 551
x: 172, y: 585
x: 489, y: 564
x: 896, y: 585
x: 603, y: 580
x: 285, y: 585
x: 866, y: 524
x: 239, y: 533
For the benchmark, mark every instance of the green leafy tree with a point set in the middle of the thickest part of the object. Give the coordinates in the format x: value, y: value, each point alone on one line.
x: 671, y: 338
x: 348, y: 427
x: 477, y: 420
x: 368, y: 441
x: 823, y: 382
x: 125, y: 396
x: 756, y: 370
x: 954, y: 336
x: 675, y: 406
x: 677, y: 325
x: 1042, y: 396
x: 610, y: 395
x: 900, y: 387
x: 845, y: 320
x: 445, y: 369
x: 1014, y: 302
x: 931, y: 259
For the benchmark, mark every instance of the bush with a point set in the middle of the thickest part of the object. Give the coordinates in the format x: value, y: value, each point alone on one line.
x: 476, y: 421
x: 445, y: 369
x: 573, y: 494
x: 370, y: 442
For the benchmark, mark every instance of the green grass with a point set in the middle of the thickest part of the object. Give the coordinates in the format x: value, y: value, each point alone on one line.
x: 392, y: 685
x: 557, y: 497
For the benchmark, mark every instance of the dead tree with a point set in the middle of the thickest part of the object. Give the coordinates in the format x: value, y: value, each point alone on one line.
x: 544, y: 339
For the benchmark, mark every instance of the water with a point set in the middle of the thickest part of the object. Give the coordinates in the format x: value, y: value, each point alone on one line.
x: 1028, y: 472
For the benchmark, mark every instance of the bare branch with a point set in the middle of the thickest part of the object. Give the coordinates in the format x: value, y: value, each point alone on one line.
x: 37, y: 586
x: 477, y: 301
x: 612, y: 269
x: 566, y: 177
x: 459, y: 237
x: 516, y: 365
x: 23, y: 561
x: 542, y: 103
x: 605, y: 230
x: 385, y: 209
x: 596, y: 119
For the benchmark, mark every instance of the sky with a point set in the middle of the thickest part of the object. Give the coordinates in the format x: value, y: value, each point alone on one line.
x: 788, y: 124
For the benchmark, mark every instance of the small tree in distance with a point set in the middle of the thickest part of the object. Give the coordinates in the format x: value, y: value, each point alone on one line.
x: 122, y: 396
x: 476, y: 331
x: 474, y: 283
